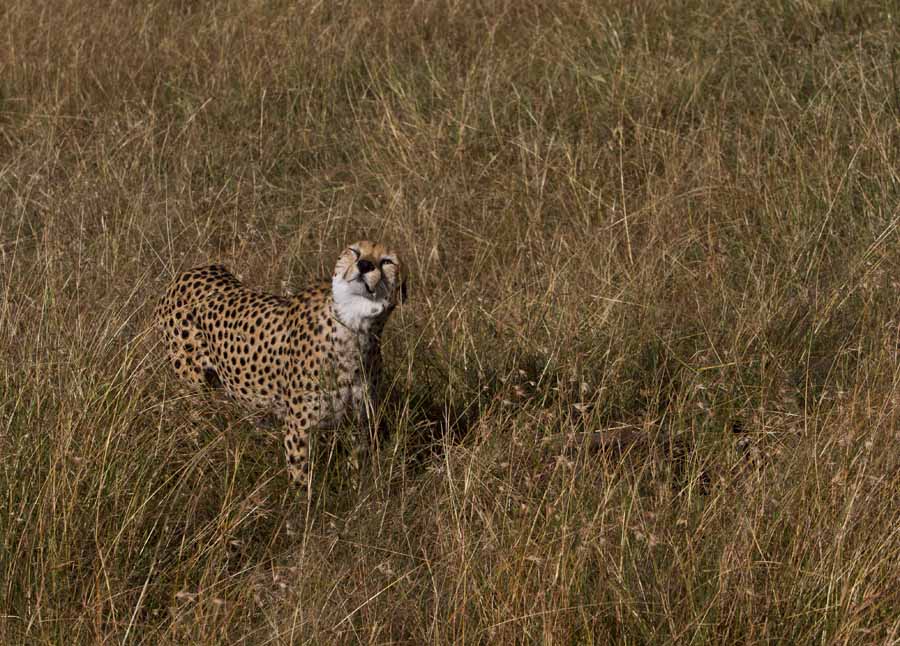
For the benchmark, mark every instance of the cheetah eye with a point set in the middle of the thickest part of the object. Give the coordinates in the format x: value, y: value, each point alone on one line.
x: 355, y: 252
x: 386, y: 261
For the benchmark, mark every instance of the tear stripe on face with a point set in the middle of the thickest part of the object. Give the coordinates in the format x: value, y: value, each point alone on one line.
x: 382, y: 291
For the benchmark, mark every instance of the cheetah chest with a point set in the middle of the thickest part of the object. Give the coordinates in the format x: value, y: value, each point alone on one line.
x: 356, y: 365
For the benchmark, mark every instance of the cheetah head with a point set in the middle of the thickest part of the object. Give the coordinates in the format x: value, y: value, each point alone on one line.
x: 367, y: 282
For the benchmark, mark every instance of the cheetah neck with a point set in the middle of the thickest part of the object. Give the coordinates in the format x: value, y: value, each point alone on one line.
x: 355, y: 312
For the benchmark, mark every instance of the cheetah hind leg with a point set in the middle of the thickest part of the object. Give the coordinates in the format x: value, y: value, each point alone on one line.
x: 189, y: 356
x: 359, y: 454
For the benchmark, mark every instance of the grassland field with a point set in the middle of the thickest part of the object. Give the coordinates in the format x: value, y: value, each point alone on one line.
x: 644, y: 391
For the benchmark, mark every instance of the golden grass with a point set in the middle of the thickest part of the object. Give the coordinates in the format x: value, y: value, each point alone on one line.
x: 646, y: 386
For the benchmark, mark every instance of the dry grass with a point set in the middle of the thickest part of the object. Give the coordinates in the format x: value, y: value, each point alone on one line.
x: 646, y: 387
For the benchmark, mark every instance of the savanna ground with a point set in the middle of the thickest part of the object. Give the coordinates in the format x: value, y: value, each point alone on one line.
x: 646, y: 386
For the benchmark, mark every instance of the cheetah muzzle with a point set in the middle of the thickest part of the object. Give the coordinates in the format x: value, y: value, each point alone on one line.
x: 313, y: 359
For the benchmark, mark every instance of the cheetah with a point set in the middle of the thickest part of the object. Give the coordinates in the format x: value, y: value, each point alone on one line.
x: 312, y: 359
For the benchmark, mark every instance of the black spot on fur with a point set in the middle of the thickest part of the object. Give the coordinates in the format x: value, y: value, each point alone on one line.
x: 212, y: 378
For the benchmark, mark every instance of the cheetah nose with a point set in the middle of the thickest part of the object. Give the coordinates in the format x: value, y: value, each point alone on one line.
x: 365, y: 266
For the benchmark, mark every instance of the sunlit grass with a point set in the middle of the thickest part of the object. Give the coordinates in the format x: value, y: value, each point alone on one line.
x: 645, y: 388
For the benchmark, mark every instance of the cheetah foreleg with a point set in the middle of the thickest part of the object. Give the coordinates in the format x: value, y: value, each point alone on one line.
x: 296, y: 450
x: 363, y: 426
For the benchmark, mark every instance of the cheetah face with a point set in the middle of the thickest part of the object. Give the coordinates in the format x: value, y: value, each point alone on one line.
x: 367, y: 280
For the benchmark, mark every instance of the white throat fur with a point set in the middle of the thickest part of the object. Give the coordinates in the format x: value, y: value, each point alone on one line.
x: 354, y: 310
